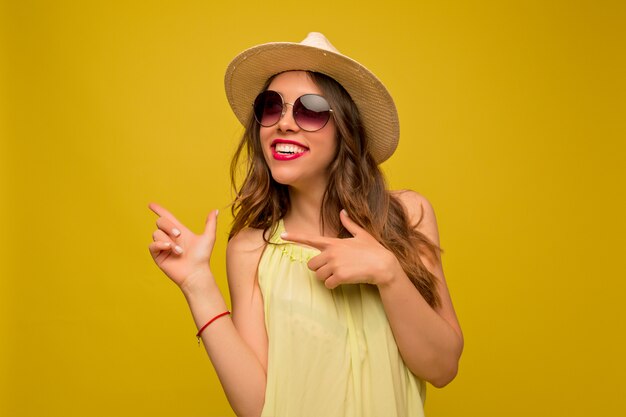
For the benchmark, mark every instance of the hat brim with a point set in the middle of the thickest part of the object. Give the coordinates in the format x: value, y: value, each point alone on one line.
x: 248, y: 72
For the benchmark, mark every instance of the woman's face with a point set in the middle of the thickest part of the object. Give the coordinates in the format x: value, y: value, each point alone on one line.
x: 295, y: 157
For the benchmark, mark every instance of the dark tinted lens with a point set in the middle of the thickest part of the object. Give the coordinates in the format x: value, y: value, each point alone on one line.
x: 311, y: 112
x: 268, y: 107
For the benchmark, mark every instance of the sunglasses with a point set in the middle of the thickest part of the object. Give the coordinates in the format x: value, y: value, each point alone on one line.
x: 311, y: 112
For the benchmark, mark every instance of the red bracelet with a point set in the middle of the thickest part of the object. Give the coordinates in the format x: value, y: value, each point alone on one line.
x: 209, y: 322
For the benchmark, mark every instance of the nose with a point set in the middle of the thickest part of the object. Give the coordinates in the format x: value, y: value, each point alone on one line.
x: 287, y: 121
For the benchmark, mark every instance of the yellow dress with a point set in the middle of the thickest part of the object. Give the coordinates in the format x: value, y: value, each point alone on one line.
x: 331, y: 352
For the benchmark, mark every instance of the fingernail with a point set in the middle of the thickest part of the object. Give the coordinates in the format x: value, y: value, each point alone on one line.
x: 176, y: 232
x: 344, y: 212
x: 283, y: 235
x: 217, y: 212
x: 178, y: 249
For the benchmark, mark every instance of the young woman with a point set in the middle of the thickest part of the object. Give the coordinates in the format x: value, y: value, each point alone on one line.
x: 339, y: 302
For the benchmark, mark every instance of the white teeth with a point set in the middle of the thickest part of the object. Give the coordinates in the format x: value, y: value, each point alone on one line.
x: 289, y: 148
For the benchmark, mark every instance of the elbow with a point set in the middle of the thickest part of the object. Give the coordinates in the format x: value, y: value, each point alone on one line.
x: 448, y: 368
x: 248, y: 411
x: 438, y: 372
x: 445, y: 376
x: 250, y: 404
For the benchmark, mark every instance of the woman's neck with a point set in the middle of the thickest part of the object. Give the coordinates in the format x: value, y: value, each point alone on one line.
x: 304, y: 215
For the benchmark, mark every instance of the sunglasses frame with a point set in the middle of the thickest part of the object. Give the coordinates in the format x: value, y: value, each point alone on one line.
x: 294, y: 114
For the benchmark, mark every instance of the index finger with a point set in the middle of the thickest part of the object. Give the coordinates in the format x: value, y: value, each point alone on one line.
x: 162, y: 212
x: 317, y: 242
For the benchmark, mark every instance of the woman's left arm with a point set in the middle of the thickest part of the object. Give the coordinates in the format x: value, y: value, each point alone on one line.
x: 430, y: 340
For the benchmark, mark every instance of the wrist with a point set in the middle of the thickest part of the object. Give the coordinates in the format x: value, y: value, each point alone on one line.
x: 390, y: 272
x: 199, y: 284
x: 205, y: 300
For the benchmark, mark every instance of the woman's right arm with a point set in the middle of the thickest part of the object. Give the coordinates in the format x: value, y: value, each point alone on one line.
x: 238, y: 346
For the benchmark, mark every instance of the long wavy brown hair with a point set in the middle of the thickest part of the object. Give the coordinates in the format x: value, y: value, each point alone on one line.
x: 356, y: 184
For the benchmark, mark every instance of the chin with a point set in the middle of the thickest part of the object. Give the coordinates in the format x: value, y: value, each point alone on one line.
x: 283, y: 179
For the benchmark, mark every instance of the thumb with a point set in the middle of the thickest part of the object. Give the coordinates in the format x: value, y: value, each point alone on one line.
x: 349, y: 224
x: 211, y: 224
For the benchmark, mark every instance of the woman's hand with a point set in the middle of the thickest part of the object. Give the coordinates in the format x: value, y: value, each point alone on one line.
x: 360, y: 259
x: 183, y: 255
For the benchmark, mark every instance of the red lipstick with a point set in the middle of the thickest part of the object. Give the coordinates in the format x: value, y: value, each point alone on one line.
x: 287, y: 153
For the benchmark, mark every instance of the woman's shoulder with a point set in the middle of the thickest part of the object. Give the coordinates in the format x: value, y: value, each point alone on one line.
x: 419, y: 210
x: 246, y: 240
x: 414, y: 203
x: 243, y: 254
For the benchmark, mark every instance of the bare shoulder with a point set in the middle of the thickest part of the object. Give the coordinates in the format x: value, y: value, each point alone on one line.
x: 243, y: 253
x: 247, y: 240
x: 420, y: 212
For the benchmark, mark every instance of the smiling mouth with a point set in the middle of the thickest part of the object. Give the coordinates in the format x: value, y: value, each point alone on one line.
x: 287, y: 150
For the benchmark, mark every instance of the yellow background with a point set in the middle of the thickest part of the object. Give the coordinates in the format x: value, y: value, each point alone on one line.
x: 513, y: 125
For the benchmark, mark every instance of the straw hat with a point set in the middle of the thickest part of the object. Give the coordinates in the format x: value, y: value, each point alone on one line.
x: 248, y: 72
